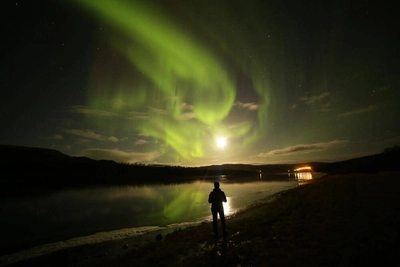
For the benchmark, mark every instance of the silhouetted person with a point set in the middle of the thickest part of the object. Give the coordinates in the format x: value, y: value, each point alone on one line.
x: 216, y: 198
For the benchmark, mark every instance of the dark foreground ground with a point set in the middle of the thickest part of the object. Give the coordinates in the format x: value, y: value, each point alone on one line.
x: 337, y: 220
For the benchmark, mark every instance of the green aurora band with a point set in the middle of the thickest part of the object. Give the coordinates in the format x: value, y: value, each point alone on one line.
x: 182, y: 90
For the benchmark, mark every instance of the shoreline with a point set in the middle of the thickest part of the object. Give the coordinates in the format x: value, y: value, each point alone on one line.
x: 93, y: 239
x: 346, y: 220
x: 30, y: 249
x: 141, y: 236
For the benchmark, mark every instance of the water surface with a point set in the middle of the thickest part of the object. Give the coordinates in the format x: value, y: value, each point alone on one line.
x: 70, y: 213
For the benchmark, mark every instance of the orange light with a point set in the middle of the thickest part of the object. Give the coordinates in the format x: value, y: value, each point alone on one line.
x: 308, y: 168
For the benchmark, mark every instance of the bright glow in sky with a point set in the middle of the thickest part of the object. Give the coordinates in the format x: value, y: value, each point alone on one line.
x: 160, y: 81
x: 221, y: 142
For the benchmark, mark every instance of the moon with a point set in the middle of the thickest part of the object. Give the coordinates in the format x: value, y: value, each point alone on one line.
x: 221, y: 142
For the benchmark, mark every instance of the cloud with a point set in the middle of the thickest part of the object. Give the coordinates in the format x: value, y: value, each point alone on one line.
x: 304, y: 148
x: 325, y: 107
x: 188, y: 116
x: 88, y: 111
x: 186, y: 106
x: 137, y: 115
x: 249, y: 106
x: 91, y: 135
x: 235, y: 126
x: 314, y: 99
x: 358, y: 111
x: 112, y: 139
x: 187, y: 112
x: 309, y: 100
x: 141, y: 142
x: 158, y: 111
x: 121, y: 156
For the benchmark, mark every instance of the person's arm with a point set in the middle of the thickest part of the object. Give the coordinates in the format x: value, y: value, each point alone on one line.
x: 209, y: 198
x: 224, y: 197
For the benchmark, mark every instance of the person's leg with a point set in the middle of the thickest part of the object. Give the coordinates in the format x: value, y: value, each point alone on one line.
x: 215, y: 221
x: 223, y: 224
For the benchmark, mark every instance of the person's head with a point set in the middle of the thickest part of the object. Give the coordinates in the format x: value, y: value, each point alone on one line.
x: 216, y: 184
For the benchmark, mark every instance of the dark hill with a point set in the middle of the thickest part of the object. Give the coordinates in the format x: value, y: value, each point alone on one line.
x: 51, y: 168
x: 47, y: 167
x: 389, y: 160
x: 17, y: 154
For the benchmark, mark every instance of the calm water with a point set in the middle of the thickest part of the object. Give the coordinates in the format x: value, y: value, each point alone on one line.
x: 66, y: 214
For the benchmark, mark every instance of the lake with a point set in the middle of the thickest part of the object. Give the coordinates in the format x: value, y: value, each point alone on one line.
x: 52, y: 217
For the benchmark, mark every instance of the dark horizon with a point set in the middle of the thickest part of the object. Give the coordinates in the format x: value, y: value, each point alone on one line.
x: 27, y: 155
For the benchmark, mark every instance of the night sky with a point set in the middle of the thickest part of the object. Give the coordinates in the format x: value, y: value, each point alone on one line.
x: 159, y: 82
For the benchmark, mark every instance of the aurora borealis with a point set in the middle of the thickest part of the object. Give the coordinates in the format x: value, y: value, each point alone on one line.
x: 159, y: 82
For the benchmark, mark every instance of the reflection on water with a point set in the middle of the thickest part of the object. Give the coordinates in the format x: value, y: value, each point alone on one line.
x: 227, y: 207
x: 70, y: 213
x: 304, y: 177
